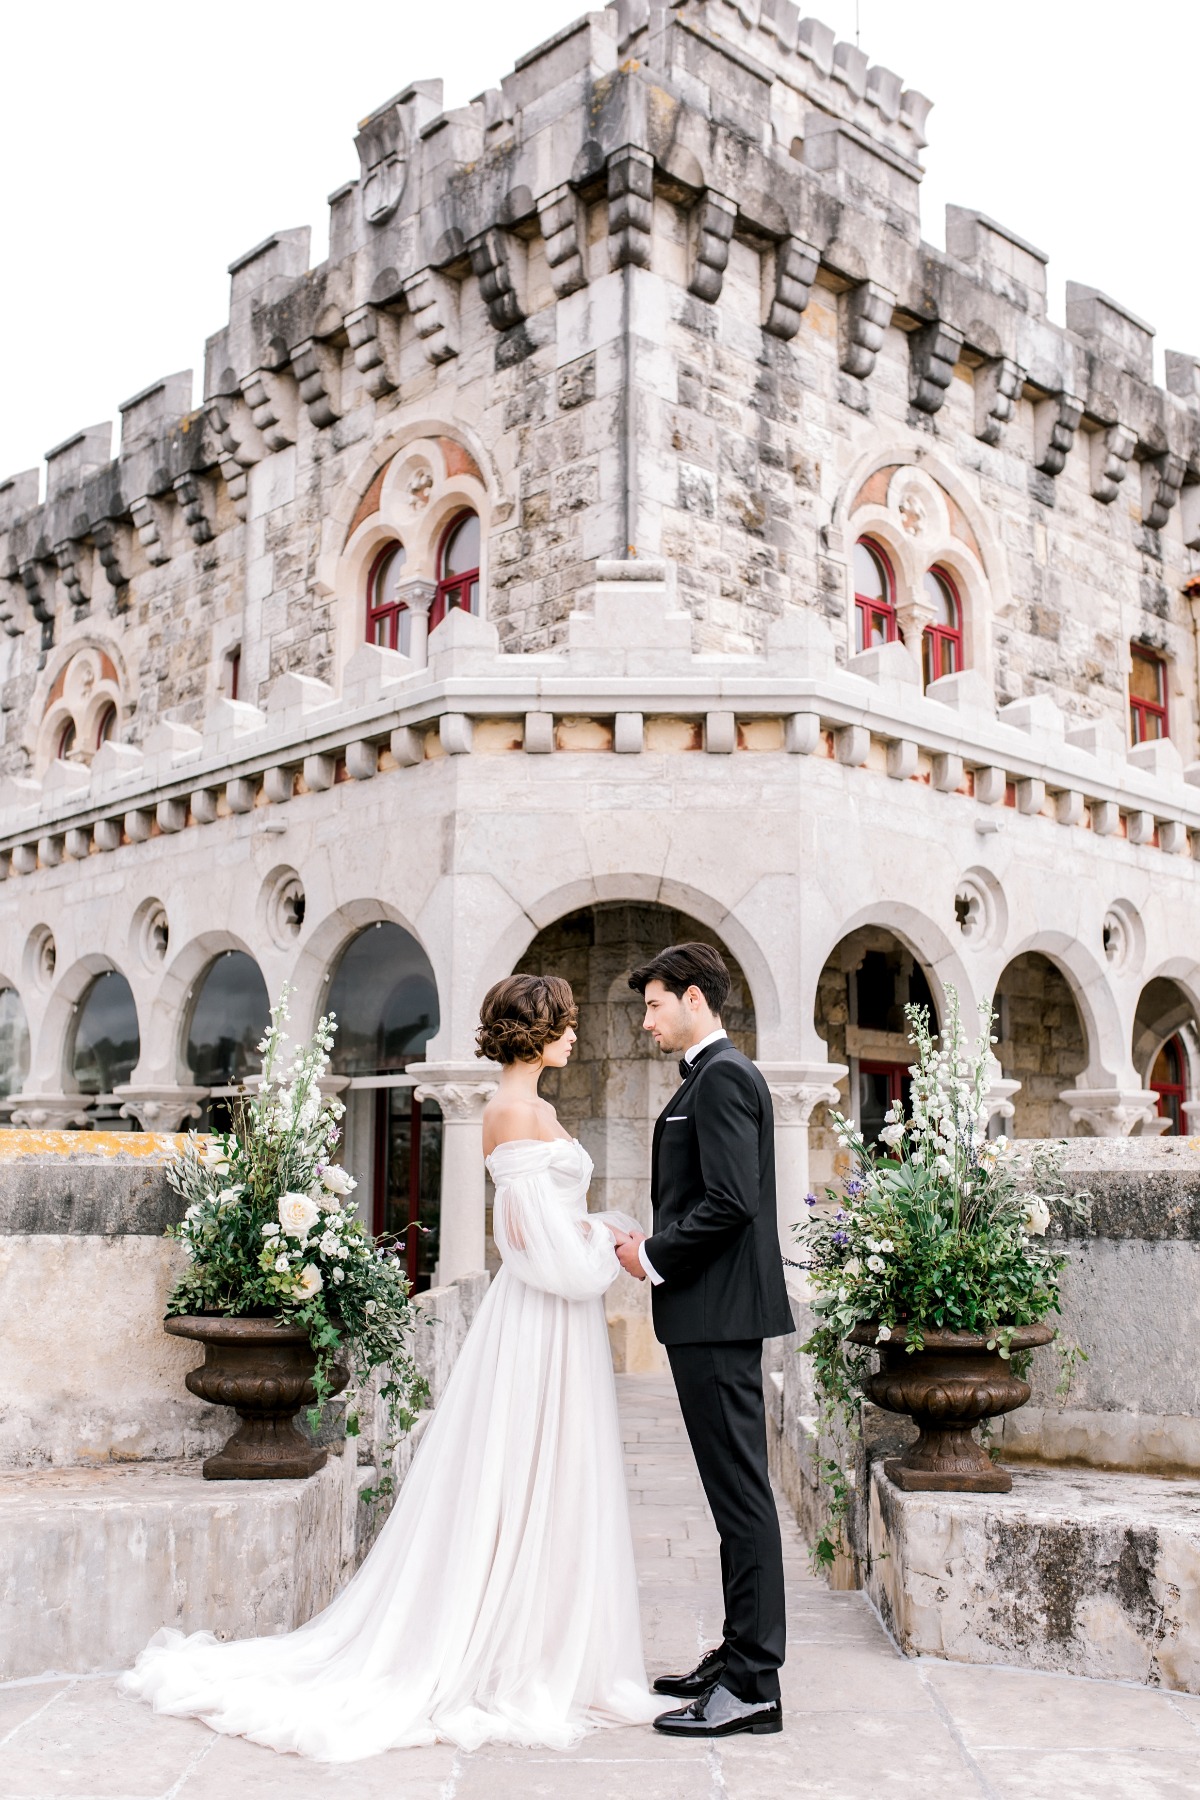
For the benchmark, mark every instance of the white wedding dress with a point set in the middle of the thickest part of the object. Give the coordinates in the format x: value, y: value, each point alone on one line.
x: 499, y: 1603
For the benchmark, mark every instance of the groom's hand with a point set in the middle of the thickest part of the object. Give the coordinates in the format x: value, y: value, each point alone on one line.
x: 627, y: 1254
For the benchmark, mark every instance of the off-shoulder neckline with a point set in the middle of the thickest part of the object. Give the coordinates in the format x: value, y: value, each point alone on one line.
x: 505, y: 1142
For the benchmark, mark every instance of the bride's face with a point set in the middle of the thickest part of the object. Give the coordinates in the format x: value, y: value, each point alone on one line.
x: 558, y: 1054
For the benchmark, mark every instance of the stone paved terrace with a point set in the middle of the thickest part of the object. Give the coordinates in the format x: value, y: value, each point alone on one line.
x: 861, y: 1721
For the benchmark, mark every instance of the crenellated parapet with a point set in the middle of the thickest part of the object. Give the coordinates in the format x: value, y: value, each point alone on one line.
x: 702, y: 140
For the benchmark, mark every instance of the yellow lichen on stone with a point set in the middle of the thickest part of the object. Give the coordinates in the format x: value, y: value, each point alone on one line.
x: 148, y: 1146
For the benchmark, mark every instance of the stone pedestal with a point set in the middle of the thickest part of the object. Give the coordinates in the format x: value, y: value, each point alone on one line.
x: 797, y: 1088
x: 50, y: 1112
x: 1111, y: 1112
x: 160, y: 1108
x: 462, y: 1095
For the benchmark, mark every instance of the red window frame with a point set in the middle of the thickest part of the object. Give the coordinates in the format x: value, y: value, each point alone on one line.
x: 106, y: 725
x: 66, y: 740
x: 1172, y: 1094
x: 866, y: 609
x: 897, y: 1075
x: 451, y: 588
x: 1142, y: 711
x: 944, y: 643
x: 387, y: 615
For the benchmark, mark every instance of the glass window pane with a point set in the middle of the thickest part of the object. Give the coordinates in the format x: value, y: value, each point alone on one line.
x: 1145, y: 679
x: 14, y: 1043
x: 869, y: 578
x: 107, y: 1044
x: 462, y: 547
x: 879, y: 634
x: 874, y: 1098
x: 940, y: 596
x: 387, y: 575
x: 385, y: 999
x: 230, y: 1015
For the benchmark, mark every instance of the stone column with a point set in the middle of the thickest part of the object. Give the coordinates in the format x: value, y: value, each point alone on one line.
x: 1000, y: 1091
x: 417, y: 595
x: 162, y: 1107
x: 462, y: 1095
x: 1112, y: 1112
x: 796, y: 1089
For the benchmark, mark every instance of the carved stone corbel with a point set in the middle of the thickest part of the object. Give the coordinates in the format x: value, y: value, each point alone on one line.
x: 12, y: 598
x: 1162, y: 478
x: 112, y: 538
x: 933, y: 351
x: 241, y: 444
x: 74, y: 560
x: 375, y: 341
x: 433, y: 306
x: 713, y: 222
x: 796, y: 265
x: 997, y: 384
x: 152, y: 522
x: 192, y: 493
x: 1110, y: 452
x: 864, y: 314
x: 564, y: 231
x: 1055, y: 422
x: 489, y: 253
x: 630, y: 207
x: 37, y: 579
x: 272, y: 398
x: 317, y: 367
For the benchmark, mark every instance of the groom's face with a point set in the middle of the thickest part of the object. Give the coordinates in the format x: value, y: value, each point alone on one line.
x: 669, y: 1019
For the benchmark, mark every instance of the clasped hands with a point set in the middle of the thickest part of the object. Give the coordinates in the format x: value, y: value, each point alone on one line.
x: 627, y: 1244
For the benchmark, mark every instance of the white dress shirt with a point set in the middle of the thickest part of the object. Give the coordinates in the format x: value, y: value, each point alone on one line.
x: 689, y: 1055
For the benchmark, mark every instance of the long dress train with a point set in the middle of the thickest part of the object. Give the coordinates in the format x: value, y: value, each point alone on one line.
x: 500, y: 1600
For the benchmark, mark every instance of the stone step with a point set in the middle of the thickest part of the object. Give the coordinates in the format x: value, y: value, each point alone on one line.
x: 1075, y: 1570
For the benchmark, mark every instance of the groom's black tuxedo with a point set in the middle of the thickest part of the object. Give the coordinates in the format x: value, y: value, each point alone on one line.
x: 716, y: 1236
x: 716, y: 1246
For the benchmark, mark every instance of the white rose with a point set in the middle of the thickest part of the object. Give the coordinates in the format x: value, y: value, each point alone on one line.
x: 885, y: 1332
x: 270, y: 1231
x: 335, y: 1180
x: 853, y: 1268
x: 1036, y: 1217
x: 297, y: 1214
x: 371, y: 1306
x: 281, y: 1265
x: 229, y: 1197
x: 872, y: 1245
x: 339, y: 1274
x: 308, y: 1281
x: 876, y: 1264
x: 891, y: 1135
x: 886, y: 1246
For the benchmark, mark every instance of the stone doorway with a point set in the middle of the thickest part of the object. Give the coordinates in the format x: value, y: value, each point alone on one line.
x: 617, y: 1082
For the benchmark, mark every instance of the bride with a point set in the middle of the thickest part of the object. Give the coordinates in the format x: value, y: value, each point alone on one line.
x: 499, y: 1603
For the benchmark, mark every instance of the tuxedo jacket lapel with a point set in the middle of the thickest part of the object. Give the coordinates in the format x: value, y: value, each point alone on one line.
x: 666, y: 1112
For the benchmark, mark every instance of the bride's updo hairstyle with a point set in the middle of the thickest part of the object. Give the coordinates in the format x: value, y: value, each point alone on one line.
x: 522, y: 1014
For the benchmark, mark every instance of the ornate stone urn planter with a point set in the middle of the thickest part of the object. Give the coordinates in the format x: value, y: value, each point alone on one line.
x: 947, y: 1388
x: 264, y: 1371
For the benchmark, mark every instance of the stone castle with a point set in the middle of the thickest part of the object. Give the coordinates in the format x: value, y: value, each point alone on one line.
x: 633, y: 529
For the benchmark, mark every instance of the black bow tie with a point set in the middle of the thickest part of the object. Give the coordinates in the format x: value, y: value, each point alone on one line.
x: 685, y: 1067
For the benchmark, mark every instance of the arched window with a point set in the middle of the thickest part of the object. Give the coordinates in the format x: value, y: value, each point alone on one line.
x: 385, y: 998
x: 874, y: 597
x: 457, y: 568
x: 230, y: 1012
x: 388, y: 618
x: 1168, y: 1079
x: 14, y: 1043
x: 107, y: 726
x: 943, y: 646
x: 1147, y: 695
x: 66, y: 741
x: 106, y: 1043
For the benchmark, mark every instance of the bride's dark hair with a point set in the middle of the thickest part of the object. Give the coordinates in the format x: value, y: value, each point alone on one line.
x: 522, y: 1014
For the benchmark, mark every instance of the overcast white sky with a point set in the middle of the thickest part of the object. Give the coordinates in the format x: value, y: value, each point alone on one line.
x: 144, y: 146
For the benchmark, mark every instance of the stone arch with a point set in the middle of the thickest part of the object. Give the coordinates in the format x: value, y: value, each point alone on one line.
x: 49, y: 1050
x: 918, y: 933
x: 617, y: 1082
x: 164, y: 1041
x: 327, y: 940
x: 1106, y: 1052
x: 1166, y: 1010
x: 82, y: 679
x: 646, y: 889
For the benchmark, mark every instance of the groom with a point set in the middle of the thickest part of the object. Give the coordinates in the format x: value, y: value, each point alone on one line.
x: 717, y: 1274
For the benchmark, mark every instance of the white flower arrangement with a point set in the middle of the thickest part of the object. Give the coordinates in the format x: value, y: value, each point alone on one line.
x: 256, y: 1195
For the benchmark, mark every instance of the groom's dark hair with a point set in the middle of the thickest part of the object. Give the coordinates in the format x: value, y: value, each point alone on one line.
x: 682, y: 966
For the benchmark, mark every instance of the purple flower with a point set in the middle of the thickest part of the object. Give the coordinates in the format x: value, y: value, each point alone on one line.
x: 854, y: 1188
x: 810, y: 1199
x: 840, y: 1238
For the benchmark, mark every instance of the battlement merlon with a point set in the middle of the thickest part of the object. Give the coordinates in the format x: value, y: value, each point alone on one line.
x: 750, y: 120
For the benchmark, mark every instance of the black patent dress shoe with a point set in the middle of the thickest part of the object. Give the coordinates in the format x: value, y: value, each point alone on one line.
x: 707, y: 1672
x: 720, y: 1714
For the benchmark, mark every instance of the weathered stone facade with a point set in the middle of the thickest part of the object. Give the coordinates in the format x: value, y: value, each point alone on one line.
x: 658, y: 311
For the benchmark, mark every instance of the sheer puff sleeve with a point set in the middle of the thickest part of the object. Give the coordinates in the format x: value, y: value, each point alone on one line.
x: 543, y: 1231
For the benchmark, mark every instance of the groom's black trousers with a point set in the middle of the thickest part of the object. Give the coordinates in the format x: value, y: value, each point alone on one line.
x: 720, y: 1389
